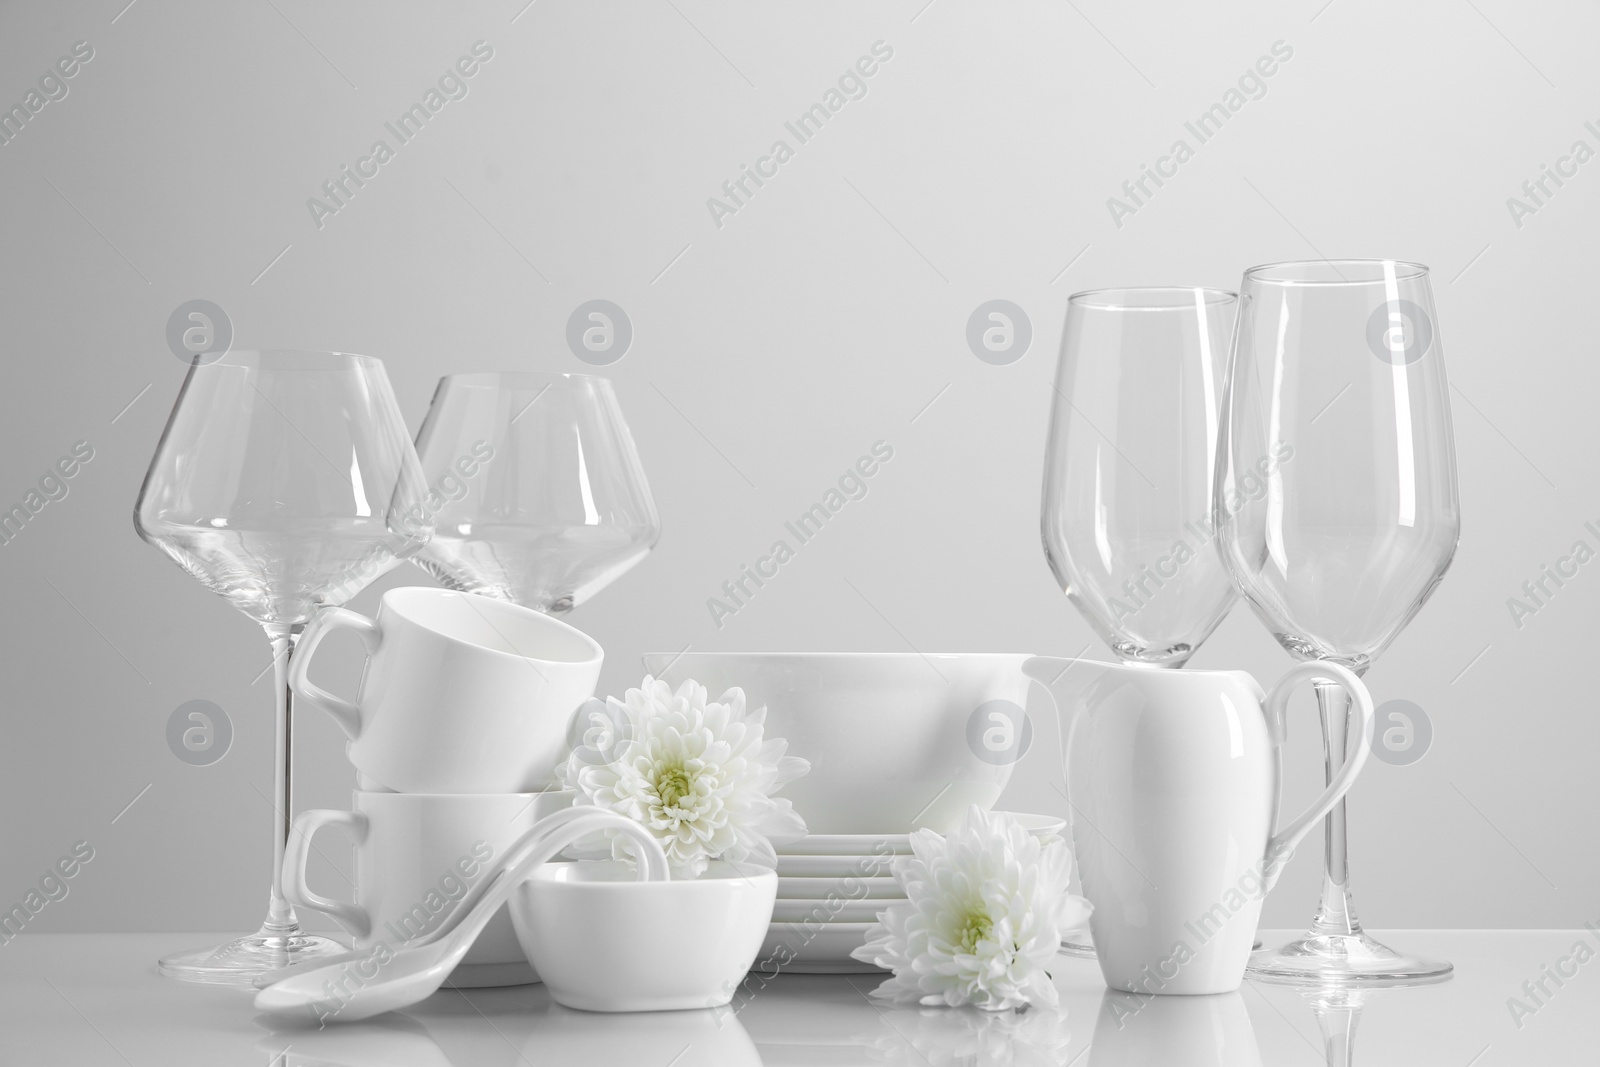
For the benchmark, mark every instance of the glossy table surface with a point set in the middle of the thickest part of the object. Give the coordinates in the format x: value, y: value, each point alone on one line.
x: 87, y: 1000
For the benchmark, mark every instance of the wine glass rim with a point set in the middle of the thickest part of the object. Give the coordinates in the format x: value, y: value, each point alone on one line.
x: 260, y: 356
x: 1303, y: 272
x: 493, y: 379
x: 1150, y: 298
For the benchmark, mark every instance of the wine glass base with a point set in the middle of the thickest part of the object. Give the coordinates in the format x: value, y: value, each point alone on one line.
x: 1343, y: 959
x: 240, y: 962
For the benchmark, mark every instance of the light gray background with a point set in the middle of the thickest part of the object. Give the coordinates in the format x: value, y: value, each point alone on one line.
x: 827, y: 314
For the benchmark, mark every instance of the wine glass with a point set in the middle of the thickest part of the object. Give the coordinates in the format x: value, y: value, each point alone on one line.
x: 1337, y: 513
x: 1126, y: 519
x: 536, y: 487
x: 284, y: 481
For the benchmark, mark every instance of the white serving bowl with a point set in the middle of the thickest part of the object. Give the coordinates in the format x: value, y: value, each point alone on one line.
x: 604, y: 941
x: 894, y: 739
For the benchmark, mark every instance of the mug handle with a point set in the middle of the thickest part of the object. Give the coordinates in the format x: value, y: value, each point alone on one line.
x: 346, y: 714
x: 353, y: 917
x: 1277, y: 703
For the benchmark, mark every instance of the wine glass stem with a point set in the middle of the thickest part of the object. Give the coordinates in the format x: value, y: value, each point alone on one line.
x: 281, y: 919
x: 1335, y: 914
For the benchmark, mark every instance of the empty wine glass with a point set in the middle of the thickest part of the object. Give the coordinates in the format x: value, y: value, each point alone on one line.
x: 1127, y: 485
x: 1337, y: 513
x: 536, y: 488
x: 1126, y: 519
x: 285, y: 482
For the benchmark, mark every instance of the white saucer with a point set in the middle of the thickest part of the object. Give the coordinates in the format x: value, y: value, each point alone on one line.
x: 813, y: 888
x: 895, y: 844
x: 841, y: 911
x: 848, y: 845
x: 834, y: 866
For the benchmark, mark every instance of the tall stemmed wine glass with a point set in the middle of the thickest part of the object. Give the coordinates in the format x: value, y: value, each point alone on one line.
x: 1126, y: 519
x: 286, y: 482
x: 539, y: 494
x: 1337, y: 513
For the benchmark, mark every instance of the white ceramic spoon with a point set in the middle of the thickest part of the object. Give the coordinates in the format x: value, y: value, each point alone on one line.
x: 366, y: 984
x: 463, y: 908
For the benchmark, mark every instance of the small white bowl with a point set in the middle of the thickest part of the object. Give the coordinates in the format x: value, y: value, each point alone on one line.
x: 604, y: 941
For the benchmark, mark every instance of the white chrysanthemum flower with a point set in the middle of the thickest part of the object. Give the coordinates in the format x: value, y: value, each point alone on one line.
x: 698, y: 775
x: 983, y: 915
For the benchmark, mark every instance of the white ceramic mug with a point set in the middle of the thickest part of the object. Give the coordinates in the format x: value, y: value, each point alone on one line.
x: 1173, y: 777
x: 461, y: 693
x: 418, y: 856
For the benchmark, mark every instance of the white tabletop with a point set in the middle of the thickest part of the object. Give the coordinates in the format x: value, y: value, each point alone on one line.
x: 87, y: 1000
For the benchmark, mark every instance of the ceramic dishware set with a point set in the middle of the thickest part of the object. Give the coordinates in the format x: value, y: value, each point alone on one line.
x: 1221, y: 477
x: 893, y: 748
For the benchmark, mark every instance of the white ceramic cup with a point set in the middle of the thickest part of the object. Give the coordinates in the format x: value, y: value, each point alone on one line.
x: 461, y: 694
x: 417, y: 856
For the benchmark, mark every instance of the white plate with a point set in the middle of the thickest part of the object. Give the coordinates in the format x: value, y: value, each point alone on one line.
x: 835, y: 866
x: 791, y: 946
x: 842, y: 911
x: 895, y: 844
x: 847, y: 888
x: 848, y: 845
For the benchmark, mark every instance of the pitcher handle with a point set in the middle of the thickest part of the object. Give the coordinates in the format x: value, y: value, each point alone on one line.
x: 1283, y: 842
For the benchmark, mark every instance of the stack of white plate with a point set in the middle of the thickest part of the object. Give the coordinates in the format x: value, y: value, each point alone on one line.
x: 831, y: 888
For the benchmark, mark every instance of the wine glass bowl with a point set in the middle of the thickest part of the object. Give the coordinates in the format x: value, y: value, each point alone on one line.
x: 285, y: 482
x: 1337, y: 373
x: 540, y: 496
x: 1126, y: 518
x: 277, y: 481
x: 1359, y: 521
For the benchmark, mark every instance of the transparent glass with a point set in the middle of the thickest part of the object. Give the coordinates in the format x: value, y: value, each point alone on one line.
x: 536, y: 488
x: 1126, y: 519
x: 286, y: 482
x: 1337, y: 513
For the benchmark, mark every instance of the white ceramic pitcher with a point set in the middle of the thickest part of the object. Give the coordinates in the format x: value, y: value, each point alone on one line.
x: 1173, y: 777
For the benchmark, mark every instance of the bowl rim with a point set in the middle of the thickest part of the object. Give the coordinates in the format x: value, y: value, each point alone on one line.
x: 556, y: 874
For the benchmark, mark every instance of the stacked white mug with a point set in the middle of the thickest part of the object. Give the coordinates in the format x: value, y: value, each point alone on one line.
x: 455, y: 732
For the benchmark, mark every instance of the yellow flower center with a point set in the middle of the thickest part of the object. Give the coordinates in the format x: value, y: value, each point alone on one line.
x: 975, y: 926
x: 672, y: 783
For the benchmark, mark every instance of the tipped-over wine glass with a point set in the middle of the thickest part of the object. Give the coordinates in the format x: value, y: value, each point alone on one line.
x: 286, y: 482
x: 1126, y: 519
x: 1337, y: 513
x: 540, y: 498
